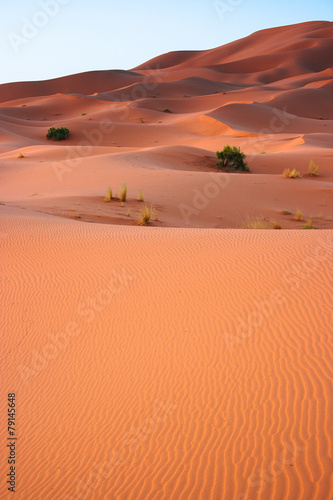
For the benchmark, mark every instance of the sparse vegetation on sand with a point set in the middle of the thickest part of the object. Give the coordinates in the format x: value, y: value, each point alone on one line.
x: 275, y: 224
x: 260, y: 223
x: 20, y: 155
x: 298, y: 215
x: 291, y: 174
x: 58, y: 134
x: 108, y: 197
x: 167, y: 110
x: 140, y: 196
x: 232, y: 158
x: 123, y: 192
x: 313, y: 169
x: 146, y: 215
x: 286, y: 212
x: 308, y: 224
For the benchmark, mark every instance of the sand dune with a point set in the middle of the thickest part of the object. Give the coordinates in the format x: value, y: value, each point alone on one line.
x: 166, y: 404
x: 188, y: 360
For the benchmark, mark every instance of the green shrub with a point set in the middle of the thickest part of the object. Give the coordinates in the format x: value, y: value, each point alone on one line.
x: 57, y: 134
x: 232, y: 159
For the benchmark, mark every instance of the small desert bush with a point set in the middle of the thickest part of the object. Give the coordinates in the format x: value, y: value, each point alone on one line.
x: 291, y: 174
x: 20, y: 155
x: 146, y: 214
x: 313, y: 169
x: 140, y: 196
x: 58, y: 134
x: 308, y: 224
x: 108, y: 197
x: 286, y: 212
x: 298, y: 215
x: 123, y: 192
x: 166, y: 110
x: 231, y: 158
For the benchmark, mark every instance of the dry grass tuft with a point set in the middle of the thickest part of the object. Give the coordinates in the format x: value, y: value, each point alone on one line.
x: 146, y: 215
x: 298, y: 215
x: 108, y: 197
x: 286, y: 212
x: 308, y: 224
x: 20, y: 155
x: 140, y: 196
x: 313, y: 169
x: 275, y: 224
x: 260, y: 223
x: 291, y: 174
x: 123, y: 192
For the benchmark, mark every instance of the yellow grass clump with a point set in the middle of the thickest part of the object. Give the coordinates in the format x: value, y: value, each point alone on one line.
x: 313, y: 169
x: 140, y: 196
x: 20, y: 155
x: 108, y: 197
x: 123, y: 192
x: 146, y: 214
x: 308, y: 224
x: 258, y: 223
x: 298, y: 215
x: 275, y: 224
x: 291, y: 174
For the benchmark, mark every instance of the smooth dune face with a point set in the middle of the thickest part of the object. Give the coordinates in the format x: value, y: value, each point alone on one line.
x: 191, y: 359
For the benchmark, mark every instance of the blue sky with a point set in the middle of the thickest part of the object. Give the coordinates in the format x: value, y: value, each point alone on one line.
x: 42, y: 39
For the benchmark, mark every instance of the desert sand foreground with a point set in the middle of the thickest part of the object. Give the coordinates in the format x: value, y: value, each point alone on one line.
x: 190, y: 359
x: 167, y: 363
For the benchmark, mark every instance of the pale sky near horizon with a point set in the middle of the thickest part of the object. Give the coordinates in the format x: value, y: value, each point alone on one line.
x: 43, y: 39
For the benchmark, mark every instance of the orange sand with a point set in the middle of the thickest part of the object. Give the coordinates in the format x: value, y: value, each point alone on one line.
x: 190, y: 359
